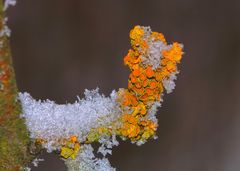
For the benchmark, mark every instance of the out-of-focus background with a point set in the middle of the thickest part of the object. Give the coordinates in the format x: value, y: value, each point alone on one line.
x: 61, y: 47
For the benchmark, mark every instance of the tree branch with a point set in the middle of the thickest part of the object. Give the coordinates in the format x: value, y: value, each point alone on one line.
x: 14, y: 137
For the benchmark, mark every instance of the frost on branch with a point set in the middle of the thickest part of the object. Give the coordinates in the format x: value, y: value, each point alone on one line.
x: 128, y: 114
x: 52, y: 122
x: 8, y: 3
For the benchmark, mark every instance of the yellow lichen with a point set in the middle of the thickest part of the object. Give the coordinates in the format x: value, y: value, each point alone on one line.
x: 70, y: 148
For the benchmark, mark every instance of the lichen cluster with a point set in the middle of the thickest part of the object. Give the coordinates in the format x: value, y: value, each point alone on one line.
x: 129, y: 113
x: 151, y: 62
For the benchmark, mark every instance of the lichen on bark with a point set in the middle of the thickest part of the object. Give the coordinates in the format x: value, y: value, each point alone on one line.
x: 14, y: 138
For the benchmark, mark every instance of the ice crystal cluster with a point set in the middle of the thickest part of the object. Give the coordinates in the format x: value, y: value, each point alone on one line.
x: 51, y: 122
x: 128, y: 114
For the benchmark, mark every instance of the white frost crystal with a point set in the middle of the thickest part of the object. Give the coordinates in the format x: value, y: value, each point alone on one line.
x: 86, y: 161
x: 36, y: 161
x: 50, y: 121
x: 169, y: 83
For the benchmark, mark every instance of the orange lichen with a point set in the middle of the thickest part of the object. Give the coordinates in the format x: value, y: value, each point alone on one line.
x: 145, y: 84
x: 130, y: 126
x: 149, y: 72
x: 136, y: 72
x: 73, y: 138
x: 158, y: 36
x: 174, y: 54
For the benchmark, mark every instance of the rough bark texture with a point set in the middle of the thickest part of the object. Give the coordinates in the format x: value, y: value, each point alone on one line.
x: 14, y: 139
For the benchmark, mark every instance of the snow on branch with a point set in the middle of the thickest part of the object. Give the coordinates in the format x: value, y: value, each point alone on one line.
x: 128, y: 114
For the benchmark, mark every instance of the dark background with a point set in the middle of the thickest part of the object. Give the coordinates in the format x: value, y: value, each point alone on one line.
x: 61, y: 47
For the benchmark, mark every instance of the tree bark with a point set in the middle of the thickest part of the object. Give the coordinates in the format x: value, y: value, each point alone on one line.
x: 14, y: 138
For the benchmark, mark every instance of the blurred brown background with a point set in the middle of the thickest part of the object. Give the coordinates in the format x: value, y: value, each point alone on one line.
x: 61, y: 47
